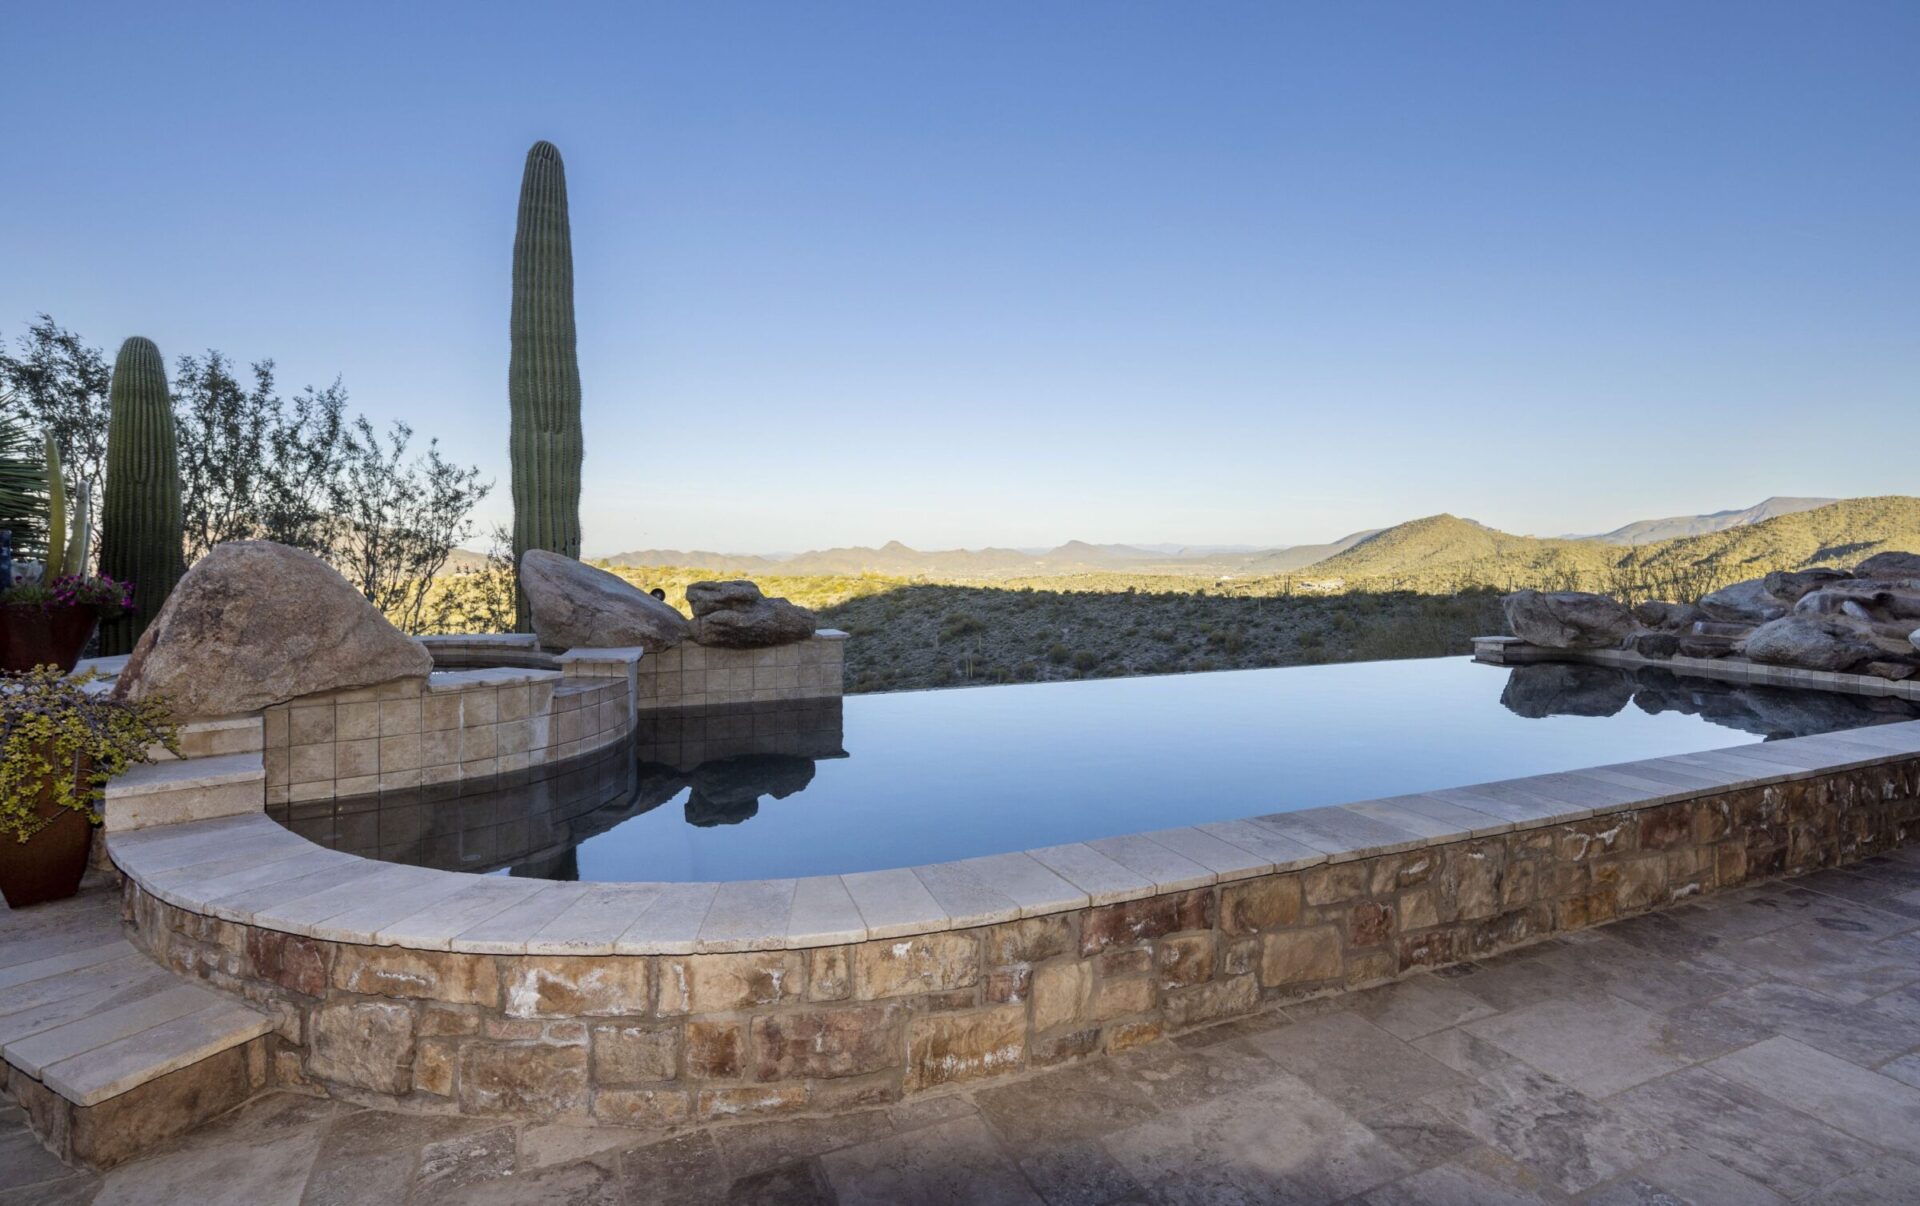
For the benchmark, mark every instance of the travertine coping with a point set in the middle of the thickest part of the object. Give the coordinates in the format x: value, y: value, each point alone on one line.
x: 250, y: 871
x: 1512, y: 651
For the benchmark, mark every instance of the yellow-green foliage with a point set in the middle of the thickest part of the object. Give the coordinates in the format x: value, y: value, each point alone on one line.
x: 58, y: 739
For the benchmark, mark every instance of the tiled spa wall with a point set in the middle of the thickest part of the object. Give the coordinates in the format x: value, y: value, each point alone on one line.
x: 696, y: 676
x: 473, y: 723
x: 463, y: 724
x: 648, y: 1038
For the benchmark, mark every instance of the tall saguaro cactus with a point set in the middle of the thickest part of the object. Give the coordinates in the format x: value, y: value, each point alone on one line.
x: 140, y: 521
x: 543, y: 374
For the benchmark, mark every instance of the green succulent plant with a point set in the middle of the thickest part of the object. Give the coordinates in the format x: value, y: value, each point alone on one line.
x: 543, y: 372
x: 140, y: 529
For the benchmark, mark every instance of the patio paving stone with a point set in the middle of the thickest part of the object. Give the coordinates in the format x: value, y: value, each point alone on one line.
x: 1754, y: 1048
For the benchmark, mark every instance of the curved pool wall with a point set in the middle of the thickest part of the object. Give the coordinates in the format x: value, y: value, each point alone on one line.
x: 499, y: 704
x: 650, y: 1002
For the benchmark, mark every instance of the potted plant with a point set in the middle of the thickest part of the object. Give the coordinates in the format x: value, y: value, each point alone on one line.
x: 59, y: 745
x: 50, y: 611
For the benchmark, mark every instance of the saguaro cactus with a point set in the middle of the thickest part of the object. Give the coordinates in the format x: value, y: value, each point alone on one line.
x: 140, y: 518
x: 543, y: 374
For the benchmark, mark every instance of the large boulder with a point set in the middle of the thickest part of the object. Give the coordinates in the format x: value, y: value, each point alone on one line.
x: 576, y: 606
x: 1744, y: 602
x: 1889, y: 565
x: 1789, y: 585
x: 255, y: 623
x: 1669, y: 617
x: 735, y: 615
x: 1567, y: 619
x: 1811, y: 643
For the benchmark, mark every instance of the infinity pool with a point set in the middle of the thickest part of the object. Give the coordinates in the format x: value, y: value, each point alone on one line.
x: 821, y: 787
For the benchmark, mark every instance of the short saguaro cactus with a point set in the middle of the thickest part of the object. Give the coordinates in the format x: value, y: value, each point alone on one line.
x: 140, y: 533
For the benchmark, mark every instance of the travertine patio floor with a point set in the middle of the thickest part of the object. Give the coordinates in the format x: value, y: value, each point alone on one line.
x: 1756, y: 1047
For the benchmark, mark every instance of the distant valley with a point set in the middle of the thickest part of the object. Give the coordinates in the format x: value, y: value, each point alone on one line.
x: 1433, y: 552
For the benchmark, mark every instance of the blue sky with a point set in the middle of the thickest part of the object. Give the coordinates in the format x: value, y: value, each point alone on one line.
x: 1013, y: 273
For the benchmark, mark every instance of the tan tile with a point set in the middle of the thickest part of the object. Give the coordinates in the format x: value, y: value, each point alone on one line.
x: 480, y: 707
x: 440, y: 712
x: 310, y: 726
x: 479, y: 741
x: 400, y: 752
x: 356, y: 785
x: 310, y: 763
x: 399, y: 716
x: 440, y: 747
x: 356, y: 721
x: 515, y: 702
x: 357, y: 757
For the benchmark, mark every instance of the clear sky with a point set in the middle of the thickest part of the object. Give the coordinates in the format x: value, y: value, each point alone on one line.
x: 980, y: 273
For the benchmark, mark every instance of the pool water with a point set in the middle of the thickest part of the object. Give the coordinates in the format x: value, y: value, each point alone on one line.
x: 826, y: 787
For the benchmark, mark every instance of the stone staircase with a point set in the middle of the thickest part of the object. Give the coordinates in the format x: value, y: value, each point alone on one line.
x: 107, y: 1052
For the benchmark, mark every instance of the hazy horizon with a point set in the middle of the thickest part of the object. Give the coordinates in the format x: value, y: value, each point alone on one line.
x: 1013, y: 274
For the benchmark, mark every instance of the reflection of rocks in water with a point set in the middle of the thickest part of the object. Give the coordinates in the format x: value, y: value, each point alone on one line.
x: 1771, y: 712
x: 655, y: 784
x: 561, y: 865
x: 530, y: 820
x: 728, y: 791
x: 1568, y: 689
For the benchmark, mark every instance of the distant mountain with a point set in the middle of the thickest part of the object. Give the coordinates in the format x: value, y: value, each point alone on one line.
x: 1435, y: 552
x: 1838, y: 535
x: 704, y: 558
x: 1300, y: 556
x: 1649, y: 531
x: 464, y: 561
x: 1445, y: 551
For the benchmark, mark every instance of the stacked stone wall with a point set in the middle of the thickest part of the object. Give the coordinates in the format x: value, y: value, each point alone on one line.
x: 651, y: 1038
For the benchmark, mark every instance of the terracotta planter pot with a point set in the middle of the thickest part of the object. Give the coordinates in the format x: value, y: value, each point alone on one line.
x: 36, y: 636
x: 49, y: 864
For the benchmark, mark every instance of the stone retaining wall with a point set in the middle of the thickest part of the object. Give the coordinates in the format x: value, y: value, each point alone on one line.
x: 649, y: 1038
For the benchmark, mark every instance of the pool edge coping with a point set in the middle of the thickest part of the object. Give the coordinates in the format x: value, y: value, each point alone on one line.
x: 223, y: 866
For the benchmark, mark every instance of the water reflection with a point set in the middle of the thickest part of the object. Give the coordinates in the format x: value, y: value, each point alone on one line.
x: 1567, y: 689
x: 531, y: 823
x: 769, y: 791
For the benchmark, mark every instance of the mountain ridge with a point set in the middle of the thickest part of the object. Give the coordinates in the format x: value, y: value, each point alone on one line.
x: 1423, y: 547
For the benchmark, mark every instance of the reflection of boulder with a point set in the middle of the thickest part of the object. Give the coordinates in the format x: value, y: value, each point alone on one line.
x: 1566, y: 689
x: 654, y: 785
x: 728, y: 791
x: 1769, y: 712
x: 562, y: 866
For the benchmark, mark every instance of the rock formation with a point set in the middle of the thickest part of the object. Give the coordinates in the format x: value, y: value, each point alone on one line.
x: 1810, y: 643
x: 1864, y: 622
x: 576, y: 606
x: 735, y: 615
x: 1567, y: 619
x: 255, y: 623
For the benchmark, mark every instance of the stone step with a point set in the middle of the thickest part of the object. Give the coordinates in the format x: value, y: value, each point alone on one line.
x: 106, y: 1050
x: 193, y: 789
